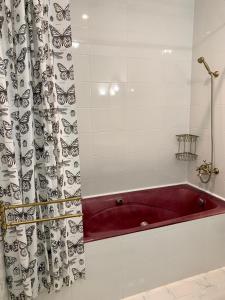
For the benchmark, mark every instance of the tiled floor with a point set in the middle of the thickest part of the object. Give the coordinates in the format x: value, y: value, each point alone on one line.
x: 208, y: 286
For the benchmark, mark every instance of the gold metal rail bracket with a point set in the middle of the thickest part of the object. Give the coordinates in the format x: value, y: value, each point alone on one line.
x: 5, y: 224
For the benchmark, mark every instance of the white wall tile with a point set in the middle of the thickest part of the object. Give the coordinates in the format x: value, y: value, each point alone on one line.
x: 108, y: 69
x: 130, y: 59
x: 208, y: 42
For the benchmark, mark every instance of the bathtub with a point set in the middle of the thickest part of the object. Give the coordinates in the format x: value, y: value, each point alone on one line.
x: 140, y: 240
x: 125, y: 213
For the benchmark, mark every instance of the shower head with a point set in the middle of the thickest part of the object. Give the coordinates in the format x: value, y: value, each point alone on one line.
x: 202, y: 60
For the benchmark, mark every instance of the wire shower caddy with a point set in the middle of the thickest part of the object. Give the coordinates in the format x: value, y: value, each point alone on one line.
x: 187, y: 145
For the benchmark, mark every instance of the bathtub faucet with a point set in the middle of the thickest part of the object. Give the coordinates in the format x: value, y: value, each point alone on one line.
x: 207, y: 169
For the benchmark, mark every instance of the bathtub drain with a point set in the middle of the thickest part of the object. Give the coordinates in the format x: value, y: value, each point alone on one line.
x: 144, y: 223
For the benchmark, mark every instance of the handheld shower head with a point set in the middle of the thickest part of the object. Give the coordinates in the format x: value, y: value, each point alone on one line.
x: 202, y: 60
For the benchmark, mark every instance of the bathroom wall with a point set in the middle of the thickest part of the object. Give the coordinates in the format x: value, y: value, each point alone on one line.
x: 209, y: 41
x: 133, y: 71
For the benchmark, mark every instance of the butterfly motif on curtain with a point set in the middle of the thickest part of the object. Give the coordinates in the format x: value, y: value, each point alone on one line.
x: 8, y: 158
x: 3, y: 112
x: 11, y: 54
x: 48, y: 73
x: 65, y: 97
x: 71, y: 178
x: 62, y: 14
x: 43, y: 181
x: 20, y: 64
x: 57, y: 244
x: 13, y: 247
x: 54, y: 193
x: 68, y: 127
x: 50, y: 138
x: 36, y: 69
x: 55, y: 127
x: 40, y: 234
x: 61, y: 39
x: 39, y: 128
x: 74, y: 227
x: 43, y: 52
x: 14, y: 80
x: 40, y: 151
x: 40, y: 250
x: 41, y: 269
x: 3, y: 65
x: 78, y: 274
x: 14, y: 215
x: 19, y: 245
x: 49, y: 85
x: 28, y: 215
x: 44, y: 26
x: 49, y: 114
x: 37, y: 94
x: 69, y: 263
x: 28, y: 272
x: 6, y: 129
x: 51, y: 171
x: 74, y: 195
x: 25, y: 181
x: 23, y: 126
x: 37, y: 10
x: 20, y: 35
x: 9, y: 174
x: 26, y: 160
x: 5, y: 191
x: 22, y: 101
x: 60, y: 180
x: 9, y: 261
x: 3, y: 95
x: 30, y: 229
x: 75, y: 248
x: 65, y: 73
x: 70, y: 150
x: 56, y: 54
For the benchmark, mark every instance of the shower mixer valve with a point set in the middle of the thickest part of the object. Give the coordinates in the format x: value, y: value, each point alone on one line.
x: 207, y: 169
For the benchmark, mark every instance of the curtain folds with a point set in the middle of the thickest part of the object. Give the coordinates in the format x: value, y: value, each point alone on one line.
x: 39, y: 151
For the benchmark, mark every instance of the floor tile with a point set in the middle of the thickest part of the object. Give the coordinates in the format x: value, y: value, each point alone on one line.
x: 159, y: 294
x: 208, y: 286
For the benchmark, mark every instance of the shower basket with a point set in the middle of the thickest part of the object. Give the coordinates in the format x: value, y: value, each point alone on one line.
x: 187, y: 144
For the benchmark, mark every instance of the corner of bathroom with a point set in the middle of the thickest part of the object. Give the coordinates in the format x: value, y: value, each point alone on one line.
x: 112, y: 142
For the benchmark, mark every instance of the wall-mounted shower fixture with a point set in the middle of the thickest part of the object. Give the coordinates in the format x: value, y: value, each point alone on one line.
x: 206, y: 170
x: 201, y: 60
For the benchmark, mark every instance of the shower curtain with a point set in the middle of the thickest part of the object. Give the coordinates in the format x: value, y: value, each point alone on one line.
x: 39, y: 151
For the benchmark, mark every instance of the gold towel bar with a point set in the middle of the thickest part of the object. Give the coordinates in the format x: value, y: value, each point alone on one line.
x: 4, y: 207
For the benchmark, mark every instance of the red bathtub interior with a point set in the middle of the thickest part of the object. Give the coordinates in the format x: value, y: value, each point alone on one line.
x: 113, y: 215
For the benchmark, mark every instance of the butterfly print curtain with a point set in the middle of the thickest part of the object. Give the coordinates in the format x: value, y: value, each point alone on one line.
x: 39, y: 152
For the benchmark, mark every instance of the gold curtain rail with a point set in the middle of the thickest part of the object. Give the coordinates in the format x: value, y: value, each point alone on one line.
x: 4, y: 207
